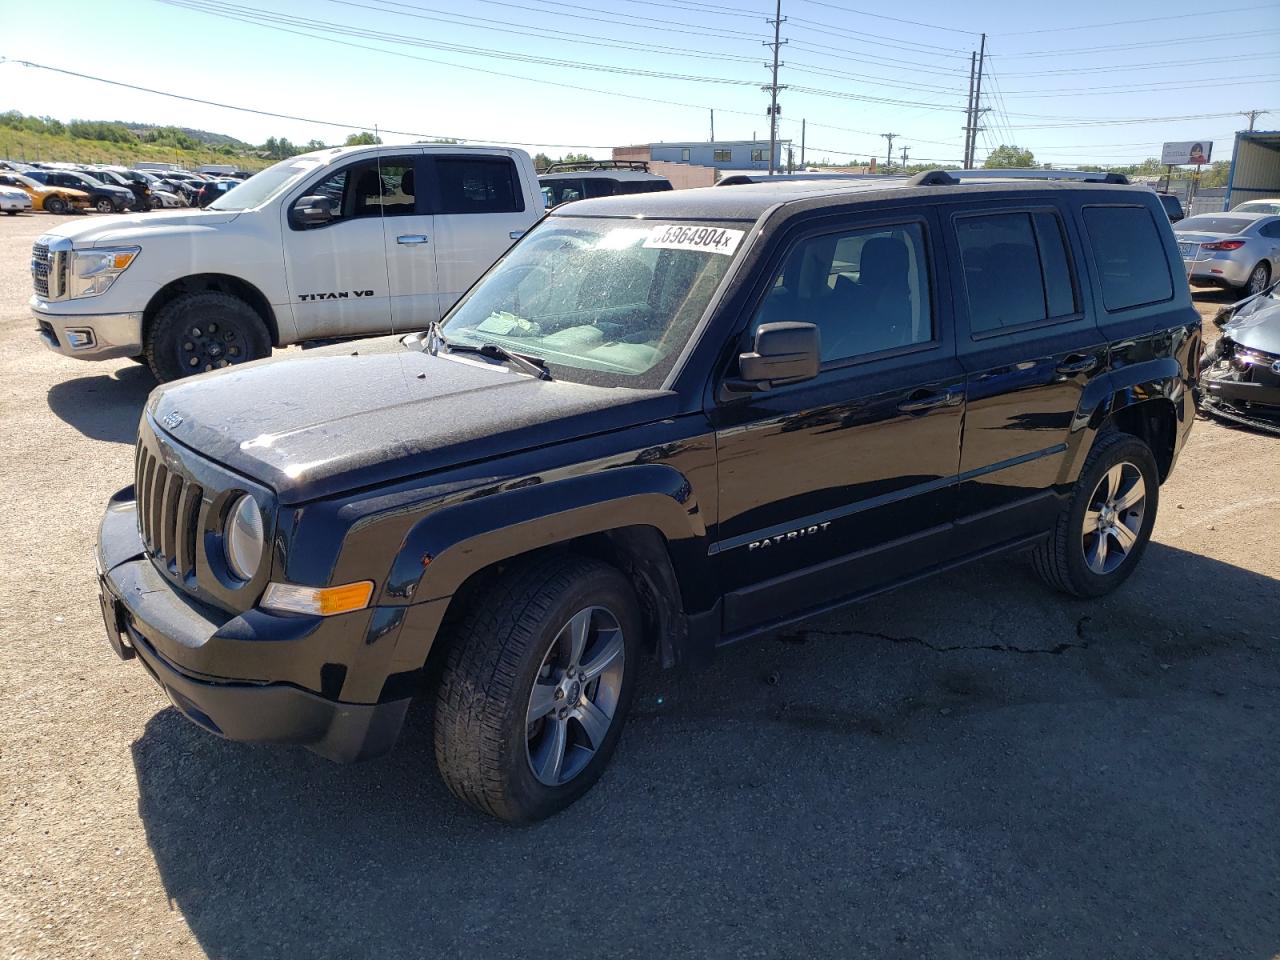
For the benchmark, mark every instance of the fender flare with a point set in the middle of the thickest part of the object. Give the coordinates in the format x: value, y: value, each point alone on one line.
x: 442, y: 550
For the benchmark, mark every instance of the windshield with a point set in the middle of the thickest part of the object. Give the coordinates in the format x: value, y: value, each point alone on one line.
x: 607, y: 301
x: 1259, y: 206
x: 262, y: 186
x: 1213, y: 225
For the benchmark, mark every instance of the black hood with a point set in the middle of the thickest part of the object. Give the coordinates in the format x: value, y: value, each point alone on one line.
x: 339, y: 418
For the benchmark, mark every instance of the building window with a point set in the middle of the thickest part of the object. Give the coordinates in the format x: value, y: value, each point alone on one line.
x: 684, y: 155
x: 722, y: 156
x: 758, y: 156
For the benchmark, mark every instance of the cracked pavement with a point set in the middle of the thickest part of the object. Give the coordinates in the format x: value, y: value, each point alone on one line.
x: 972, y: 767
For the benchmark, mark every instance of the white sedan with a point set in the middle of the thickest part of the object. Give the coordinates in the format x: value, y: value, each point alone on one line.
x: 14, y: 202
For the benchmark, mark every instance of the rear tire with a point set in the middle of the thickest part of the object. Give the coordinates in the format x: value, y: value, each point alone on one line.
x: 1101, y: 534
x: 204, y: 331
x: 55, y: 205
x: 523, y: 725
x: 1259, y: 277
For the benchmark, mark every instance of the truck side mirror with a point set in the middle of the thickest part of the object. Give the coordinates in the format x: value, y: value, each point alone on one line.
x: 784, y: 353
x: 312, y: 211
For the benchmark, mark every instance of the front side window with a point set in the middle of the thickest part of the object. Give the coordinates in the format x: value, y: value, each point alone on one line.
x: 757, y: 155
x: 556, y: 192
x: 478, y: 185
x: 722, y: 156
x: 1130, y: 254
x: 1016, y: 270
x: 866, y: 290
x: 369, y: 189
x: 601, y: 300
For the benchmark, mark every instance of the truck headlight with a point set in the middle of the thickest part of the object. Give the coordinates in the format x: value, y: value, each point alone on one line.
x: 242, y: 538
x: 93, y: 271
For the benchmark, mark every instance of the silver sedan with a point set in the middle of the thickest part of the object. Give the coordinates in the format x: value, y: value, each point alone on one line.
x: 1235, y: 250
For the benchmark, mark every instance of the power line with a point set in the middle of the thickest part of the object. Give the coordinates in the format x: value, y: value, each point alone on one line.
x: 1119, y: 23
x: 1142, y: 66
x: 928, y: 49
x: 882, y: 16
x: 279, y: 116
x: 1140, y: 45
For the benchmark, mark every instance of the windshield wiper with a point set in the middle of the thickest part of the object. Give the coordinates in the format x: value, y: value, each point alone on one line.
x: 531, y: 365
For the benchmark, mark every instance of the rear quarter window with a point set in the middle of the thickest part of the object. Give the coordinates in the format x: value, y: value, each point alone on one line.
x: 1128, y: 249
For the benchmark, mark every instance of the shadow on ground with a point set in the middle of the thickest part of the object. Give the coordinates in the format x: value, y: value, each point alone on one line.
x: 104, y: 407
x: 971, y: 767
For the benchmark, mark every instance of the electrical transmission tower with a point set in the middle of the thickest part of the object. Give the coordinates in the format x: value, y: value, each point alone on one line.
x: 773, y: 87
x: 1253, y: 116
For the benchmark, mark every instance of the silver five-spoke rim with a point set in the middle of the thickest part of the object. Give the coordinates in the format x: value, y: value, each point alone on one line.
x: 1113, y: 518
x: 575, y: 696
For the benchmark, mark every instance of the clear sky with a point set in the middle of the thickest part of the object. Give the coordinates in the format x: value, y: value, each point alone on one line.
x: 512, y: 71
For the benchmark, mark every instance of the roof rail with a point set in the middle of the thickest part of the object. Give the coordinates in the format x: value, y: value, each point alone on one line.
x: 943, y: 178
x: 579, y: 165
x: 736, y: 179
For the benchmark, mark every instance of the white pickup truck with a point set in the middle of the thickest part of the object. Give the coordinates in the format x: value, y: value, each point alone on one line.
x: 345, y: 242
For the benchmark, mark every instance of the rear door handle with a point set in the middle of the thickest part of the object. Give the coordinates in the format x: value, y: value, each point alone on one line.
x: 409, y: 239
x: 921, y: 400
x: 1077, y: 363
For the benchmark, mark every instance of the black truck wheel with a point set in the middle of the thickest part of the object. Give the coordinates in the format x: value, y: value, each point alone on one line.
x: 1103, y: 531
x: 204, y: 331
x: 56, y: 205
x: 536, y: 687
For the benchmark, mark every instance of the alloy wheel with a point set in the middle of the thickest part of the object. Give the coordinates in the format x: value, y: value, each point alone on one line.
x: 575, y: 696
x: 1258, y: 279
x: 1113, y: 519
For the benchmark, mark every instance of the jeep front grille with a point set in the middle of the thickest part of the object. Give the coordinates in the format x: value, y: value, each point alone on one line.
x: 168, y: 511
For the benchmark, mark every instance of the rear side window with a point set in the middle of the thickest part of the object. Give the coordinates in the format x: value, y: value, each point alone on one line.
x: 1016, y: 270
x: 1130, y: 255
x: 478, y: 185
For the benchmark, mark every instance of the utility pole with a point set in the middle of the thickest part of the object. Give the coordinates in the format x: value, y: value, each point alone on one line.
x: 977, y: 100
x: 802, y: 125
x: 968, y: 111
x: 773, y: 87
x: 888, y: 157
x: 1253, y: 115
x: 713, y: 125
x: 904, y: 158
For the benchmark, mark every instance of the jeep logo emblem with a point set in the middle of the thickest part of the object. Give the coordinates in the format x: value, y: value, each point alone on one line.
x: 172, y: 420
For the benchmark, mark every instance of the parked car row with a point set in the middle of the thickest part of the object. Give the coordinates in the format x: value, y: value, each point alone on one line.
x: 68, y: 188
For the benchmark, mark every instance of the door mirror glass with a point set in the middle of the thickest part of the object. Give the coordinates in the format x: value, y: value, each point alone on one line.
x: 784, y: 353
x: 312, y: 211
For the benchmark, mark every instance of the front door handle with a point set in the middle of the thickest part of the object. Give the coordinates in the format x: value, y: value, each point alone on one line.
x: 410, y: 239
x: 1077, y: 363
x: 922, y: 400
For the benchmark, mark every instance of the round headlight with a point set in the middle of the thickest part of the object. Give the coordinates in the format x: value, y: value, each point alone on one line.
x: 242, y: 538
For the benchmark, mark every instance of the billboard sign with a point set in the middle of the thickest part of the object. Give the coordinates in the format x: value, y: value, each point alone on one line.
x: 1190, y: 151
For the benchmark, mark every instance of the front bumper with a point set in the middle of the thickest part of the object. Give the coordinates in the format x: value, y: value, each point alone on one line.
x: 18, y: 206
x: 147, y: 617
x: 89, y: 336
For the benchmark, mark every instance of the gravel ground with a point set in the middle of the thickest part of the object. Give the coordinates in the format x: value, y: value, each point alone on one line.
x: 971, y: 767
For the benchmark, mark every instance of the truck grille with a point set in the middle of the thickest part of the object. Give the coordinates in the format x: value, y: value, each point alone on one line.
x: 168, y: 511
x: 40, y: 269
x: 48, y: 271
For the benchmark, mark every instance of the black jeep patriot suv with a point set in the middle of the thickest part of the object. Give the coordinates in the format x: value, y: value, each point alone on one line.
x: 659, y: 424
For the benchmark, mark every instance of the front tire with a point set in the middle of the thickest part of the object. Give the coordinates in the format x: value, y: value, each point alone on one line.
x: 204, y: 331
x: 1101, y: 534
x: 536, y: 688
x: 104, y: 205
x: 55, y: 205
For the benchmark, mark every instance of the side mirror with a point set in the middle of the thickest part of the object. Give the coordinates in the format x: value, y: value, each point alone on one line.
x: 784, y: 353
x: 312, y: 211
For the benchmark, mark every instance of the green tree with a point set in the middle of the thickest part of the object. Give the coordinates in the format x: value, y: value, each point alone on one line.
x: 1005, y: 156
x: 316, y: 145
x: 541, y: 161
x: 364, y: 139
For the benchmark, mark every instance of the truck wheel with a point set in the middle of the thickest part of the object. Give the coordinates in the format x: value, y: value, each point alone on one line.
x: 105, y: 205
x: 55, y: 205
x: 204, y: 331
x: 536, y: 687
x: 1102, y: 532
